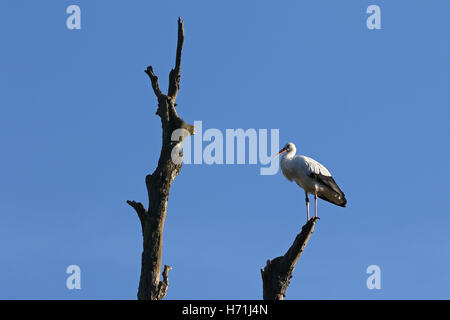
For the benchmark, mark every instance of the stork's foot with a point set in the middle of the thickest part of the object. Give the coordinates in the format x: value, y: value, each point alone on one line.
x: 312, y: 219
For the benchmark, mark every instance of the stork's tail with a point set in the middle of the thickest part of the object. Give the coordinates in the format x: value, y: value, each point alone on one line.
x: 338, y: 199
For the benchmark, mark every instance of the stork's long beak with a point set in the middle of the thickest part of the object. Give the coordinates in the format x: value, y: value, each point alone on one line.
x: 280, y: 153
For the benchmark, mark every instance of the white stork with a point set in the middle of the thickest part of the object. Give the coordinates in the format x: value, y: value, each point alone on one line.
x: 312, y: 176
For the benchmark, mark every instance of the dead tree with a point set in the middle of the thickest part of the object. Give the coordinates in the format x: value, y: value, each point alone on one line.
x: 159, y: 182
x: 277, y: 273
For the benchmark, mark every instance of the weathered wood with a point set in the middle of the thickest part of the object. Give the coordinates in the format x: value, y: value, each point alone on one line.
x: 277, y: 273
x: 159, y: 182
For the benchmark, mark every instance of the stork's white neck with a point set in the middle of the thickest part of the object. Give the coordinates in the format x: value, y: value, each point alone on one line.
x: 290, y: 154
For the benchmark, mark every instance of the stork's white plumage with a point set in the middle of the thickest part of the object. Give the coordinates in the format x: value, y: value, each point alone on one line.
x: 312, y: 176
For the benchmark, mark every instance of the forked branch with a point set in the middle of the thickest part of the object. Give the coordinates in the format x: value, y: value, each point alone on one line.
x: 158, y: 184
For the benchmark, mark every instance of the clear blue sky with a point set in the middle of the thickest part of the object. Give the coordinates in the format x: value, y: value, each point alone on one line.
x: 78, y: 135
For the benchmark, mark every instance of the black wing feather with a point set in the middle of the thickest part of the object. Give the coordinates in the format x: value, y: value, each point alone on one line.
x: 329, y: 183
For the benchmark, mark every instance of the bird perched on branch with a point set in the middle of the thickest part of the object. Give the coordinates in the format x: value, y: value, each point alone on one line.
x: 312, y: 176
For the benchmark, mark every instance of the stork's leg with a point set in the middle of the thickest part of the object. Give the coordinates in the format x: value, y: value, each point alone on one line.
x: 307, y: 206
x: 315, y: 202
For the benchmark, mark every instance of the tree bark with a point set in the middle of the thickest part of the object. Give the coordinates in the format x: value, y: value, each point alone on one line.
x: 277, y: 273
x: 159, y: 182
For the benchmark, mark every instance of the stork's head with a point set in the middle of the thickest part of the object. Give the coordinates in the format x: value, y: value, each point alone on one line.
x: 289, y: 148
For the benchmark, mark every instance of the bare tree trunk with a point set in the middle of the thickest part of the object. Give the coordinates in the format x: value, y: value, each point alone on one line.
x: 277, y: 273
x: 159, y: 183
